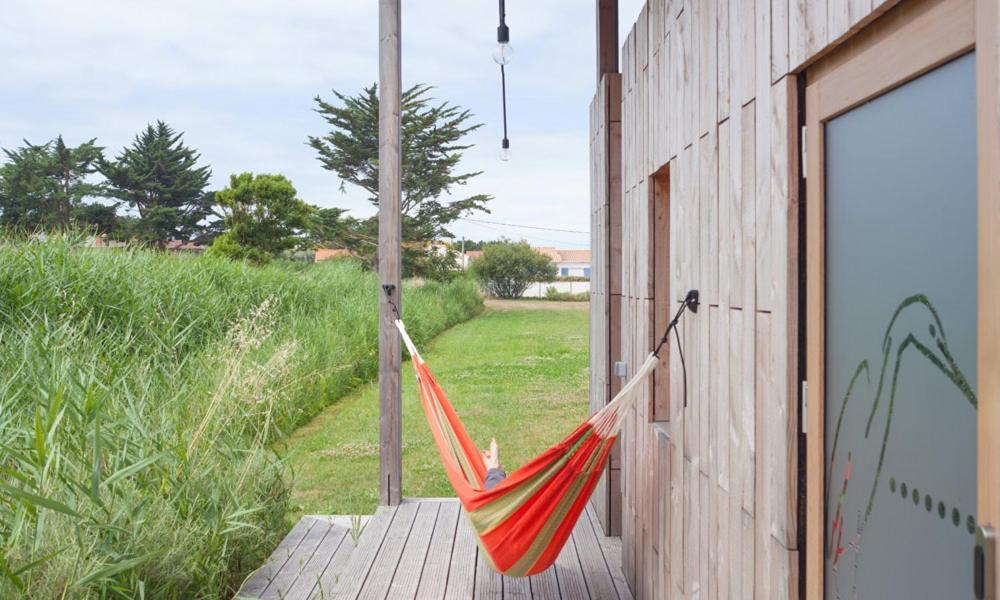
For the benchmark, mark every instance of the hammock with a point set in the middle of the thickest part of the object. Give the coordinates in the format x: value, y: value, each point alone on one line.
x: 523, y: 522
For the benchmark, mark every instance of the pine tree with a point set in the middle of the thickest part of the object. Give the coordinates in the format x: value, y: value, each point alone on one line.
x: 46, y: 186
x: 331, y: 228
x: 159, y: 177
x: 432, y: 149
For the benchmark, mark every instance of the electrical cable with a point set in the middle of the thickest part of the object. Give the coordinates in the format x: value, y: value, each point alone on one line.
x: 526, y: 226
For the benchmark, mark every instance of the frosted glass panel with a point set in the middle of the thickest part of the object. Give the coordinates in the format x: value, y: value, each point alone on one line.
x: 901, y: 341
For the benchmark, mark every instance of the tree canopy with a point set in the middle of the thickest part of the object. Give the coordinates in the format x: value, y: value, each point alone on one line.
x: 48, y: 186
x: 159, y: 177
x: 262, y: 215
x: 331, y: 228
x: 506, y: 268
x: 432, y: 149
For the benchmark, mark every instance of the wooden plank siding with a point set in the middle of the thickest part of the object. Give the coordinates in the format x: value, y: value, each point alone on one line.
x: 605, y: 285
x: 709, y: 103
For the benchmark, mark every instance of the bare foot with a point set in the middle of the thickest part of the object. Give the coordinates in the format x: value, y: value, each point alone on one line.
x: 491, y: 457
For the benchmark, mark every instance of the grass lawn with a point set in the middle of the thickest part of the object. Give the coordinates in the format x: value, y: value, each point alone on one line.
x: 518, y: 372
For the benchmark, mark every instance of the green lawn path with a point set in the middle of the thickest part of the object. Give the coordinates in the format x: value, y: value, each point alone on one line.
x: 518, y: 372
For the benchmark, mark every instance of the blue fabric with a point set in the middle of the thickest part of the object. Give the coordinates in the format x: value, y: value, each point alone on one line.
x: 493, y: 477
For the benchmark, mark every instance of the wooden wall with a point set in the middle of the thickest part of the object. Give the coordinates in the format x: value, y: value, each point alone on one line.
x: 709, y: 498
x: 605, y: 284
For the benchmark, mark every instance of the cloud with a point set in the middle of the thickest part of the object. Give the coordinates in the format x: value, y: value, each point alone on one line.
x: 239, y: 77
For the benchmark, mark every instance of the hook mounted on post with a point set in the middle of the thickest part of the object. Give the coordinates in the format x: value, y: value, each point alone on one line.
x: 692, y: 300
x: 691, y: 303
x: 389, y: 288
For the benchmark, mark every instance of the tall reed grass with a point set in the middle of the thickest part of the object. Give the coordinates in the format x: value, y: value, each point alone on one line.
x: 140, y: 397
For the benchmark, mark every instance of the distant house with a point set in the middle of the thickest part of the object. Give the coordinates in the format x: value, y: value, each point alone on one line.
x: 439, y: 248
x: 328, y: 253
x: 571, y: 263
x: 467, y: 258
x: 176, y: 246
x: 182, y: 246
x: 103, y: 241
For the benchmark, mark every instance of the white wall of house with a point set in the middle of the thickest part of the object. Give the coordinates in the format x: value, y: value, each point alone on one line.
x: 537, y: 289
x: 573, y: 269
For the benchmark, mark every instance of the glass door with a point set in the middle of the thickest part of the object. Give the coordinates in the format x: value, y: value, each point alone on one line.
x: 900, y: 352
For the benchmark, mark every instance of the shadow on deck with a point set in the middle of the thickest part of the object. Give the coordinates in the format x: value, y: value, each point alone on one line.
x: 424, y: 548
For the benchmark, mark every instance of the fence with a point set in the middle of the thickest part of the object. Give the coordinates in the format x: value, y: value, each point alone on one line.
x: 537, y: 289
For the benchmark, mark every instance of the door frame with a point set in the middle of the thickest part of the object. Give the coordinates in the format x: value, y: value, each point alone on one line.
x: 910, y: 39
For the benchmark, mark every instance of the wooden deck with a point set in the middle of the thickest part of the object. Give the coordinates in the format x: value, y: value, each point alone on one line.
x: 425, y: 549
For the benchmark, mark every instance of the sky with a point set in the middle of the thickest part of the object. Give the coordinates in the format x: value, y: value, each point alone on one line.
x: 239, y: 78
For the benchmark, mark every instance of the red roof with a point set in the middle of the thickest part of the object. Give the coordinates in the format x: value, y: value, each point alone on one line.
x: 182, y: 246
x: 328, y: 253
x: 564, y: 255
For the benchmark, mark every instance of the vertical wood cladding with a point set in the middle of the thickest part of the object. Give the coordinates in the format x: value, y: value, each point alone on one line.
x: 707, y: 96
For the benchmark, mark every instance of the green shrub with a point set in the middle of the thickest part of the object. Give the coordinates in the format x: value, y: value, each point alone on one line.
x: 262, y: 216
x: 506, y: 268
x: 551, y: 293
x: 141, y: 395
x: 226, y: 246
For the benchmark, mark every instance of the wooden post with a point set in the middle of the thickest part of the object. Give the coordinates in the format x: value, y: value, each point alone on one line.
x: 988, y: 351
x: 606, y: 245
x: 389, y: 234
x: 607, y: 37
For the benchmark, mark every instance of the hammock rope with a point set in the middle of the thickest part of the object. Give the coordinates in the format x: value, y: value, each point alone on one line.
x: 523, y: 522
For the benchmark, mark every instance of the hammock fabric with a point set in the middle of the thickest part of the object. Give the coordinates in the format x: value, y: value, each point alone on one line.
x: 523, y: 522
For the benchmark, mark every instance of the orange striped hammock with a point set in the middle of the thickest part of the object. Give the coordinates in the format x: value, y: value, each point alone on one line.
x: 523, y: 523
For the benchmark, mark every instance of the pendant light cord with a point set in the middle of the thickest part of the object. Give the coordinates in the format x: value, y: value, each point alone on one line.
x: 503, y: 93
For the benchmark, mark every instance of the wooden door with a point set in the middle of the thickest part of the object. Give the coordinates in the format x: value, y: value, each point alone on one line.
x: 898, y: 399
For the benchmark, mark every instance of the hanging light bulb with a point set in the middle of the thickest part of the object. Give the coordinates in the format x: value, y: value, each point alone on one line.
x: 505, y: 150
x: 503, y: 54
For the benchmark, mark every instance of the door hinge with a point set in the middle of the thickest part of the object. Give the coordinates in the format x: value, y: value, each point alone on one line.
x: 983, y: 560
x: 802, y: 145
x: 805, y: 405
x: 621, y: 369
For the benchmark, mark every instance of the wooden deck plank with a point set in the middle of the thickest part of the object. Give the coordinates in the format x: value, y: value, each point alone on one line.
x: 259, y: 581
x: 282, y: 582
x: 516, y: 588
x: 489, y: 583
x: 595, y: 568
x: 309, y: 576
x: 411, y: 563
x: 611, y: 549
x: 462, y: 569
x: 355, y: 572
x: 387, y: 560
x: 425, y: 549
x: 434, y: 580
x: 323, y: 588
x: 569, y: 573
x: 545, y: 586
